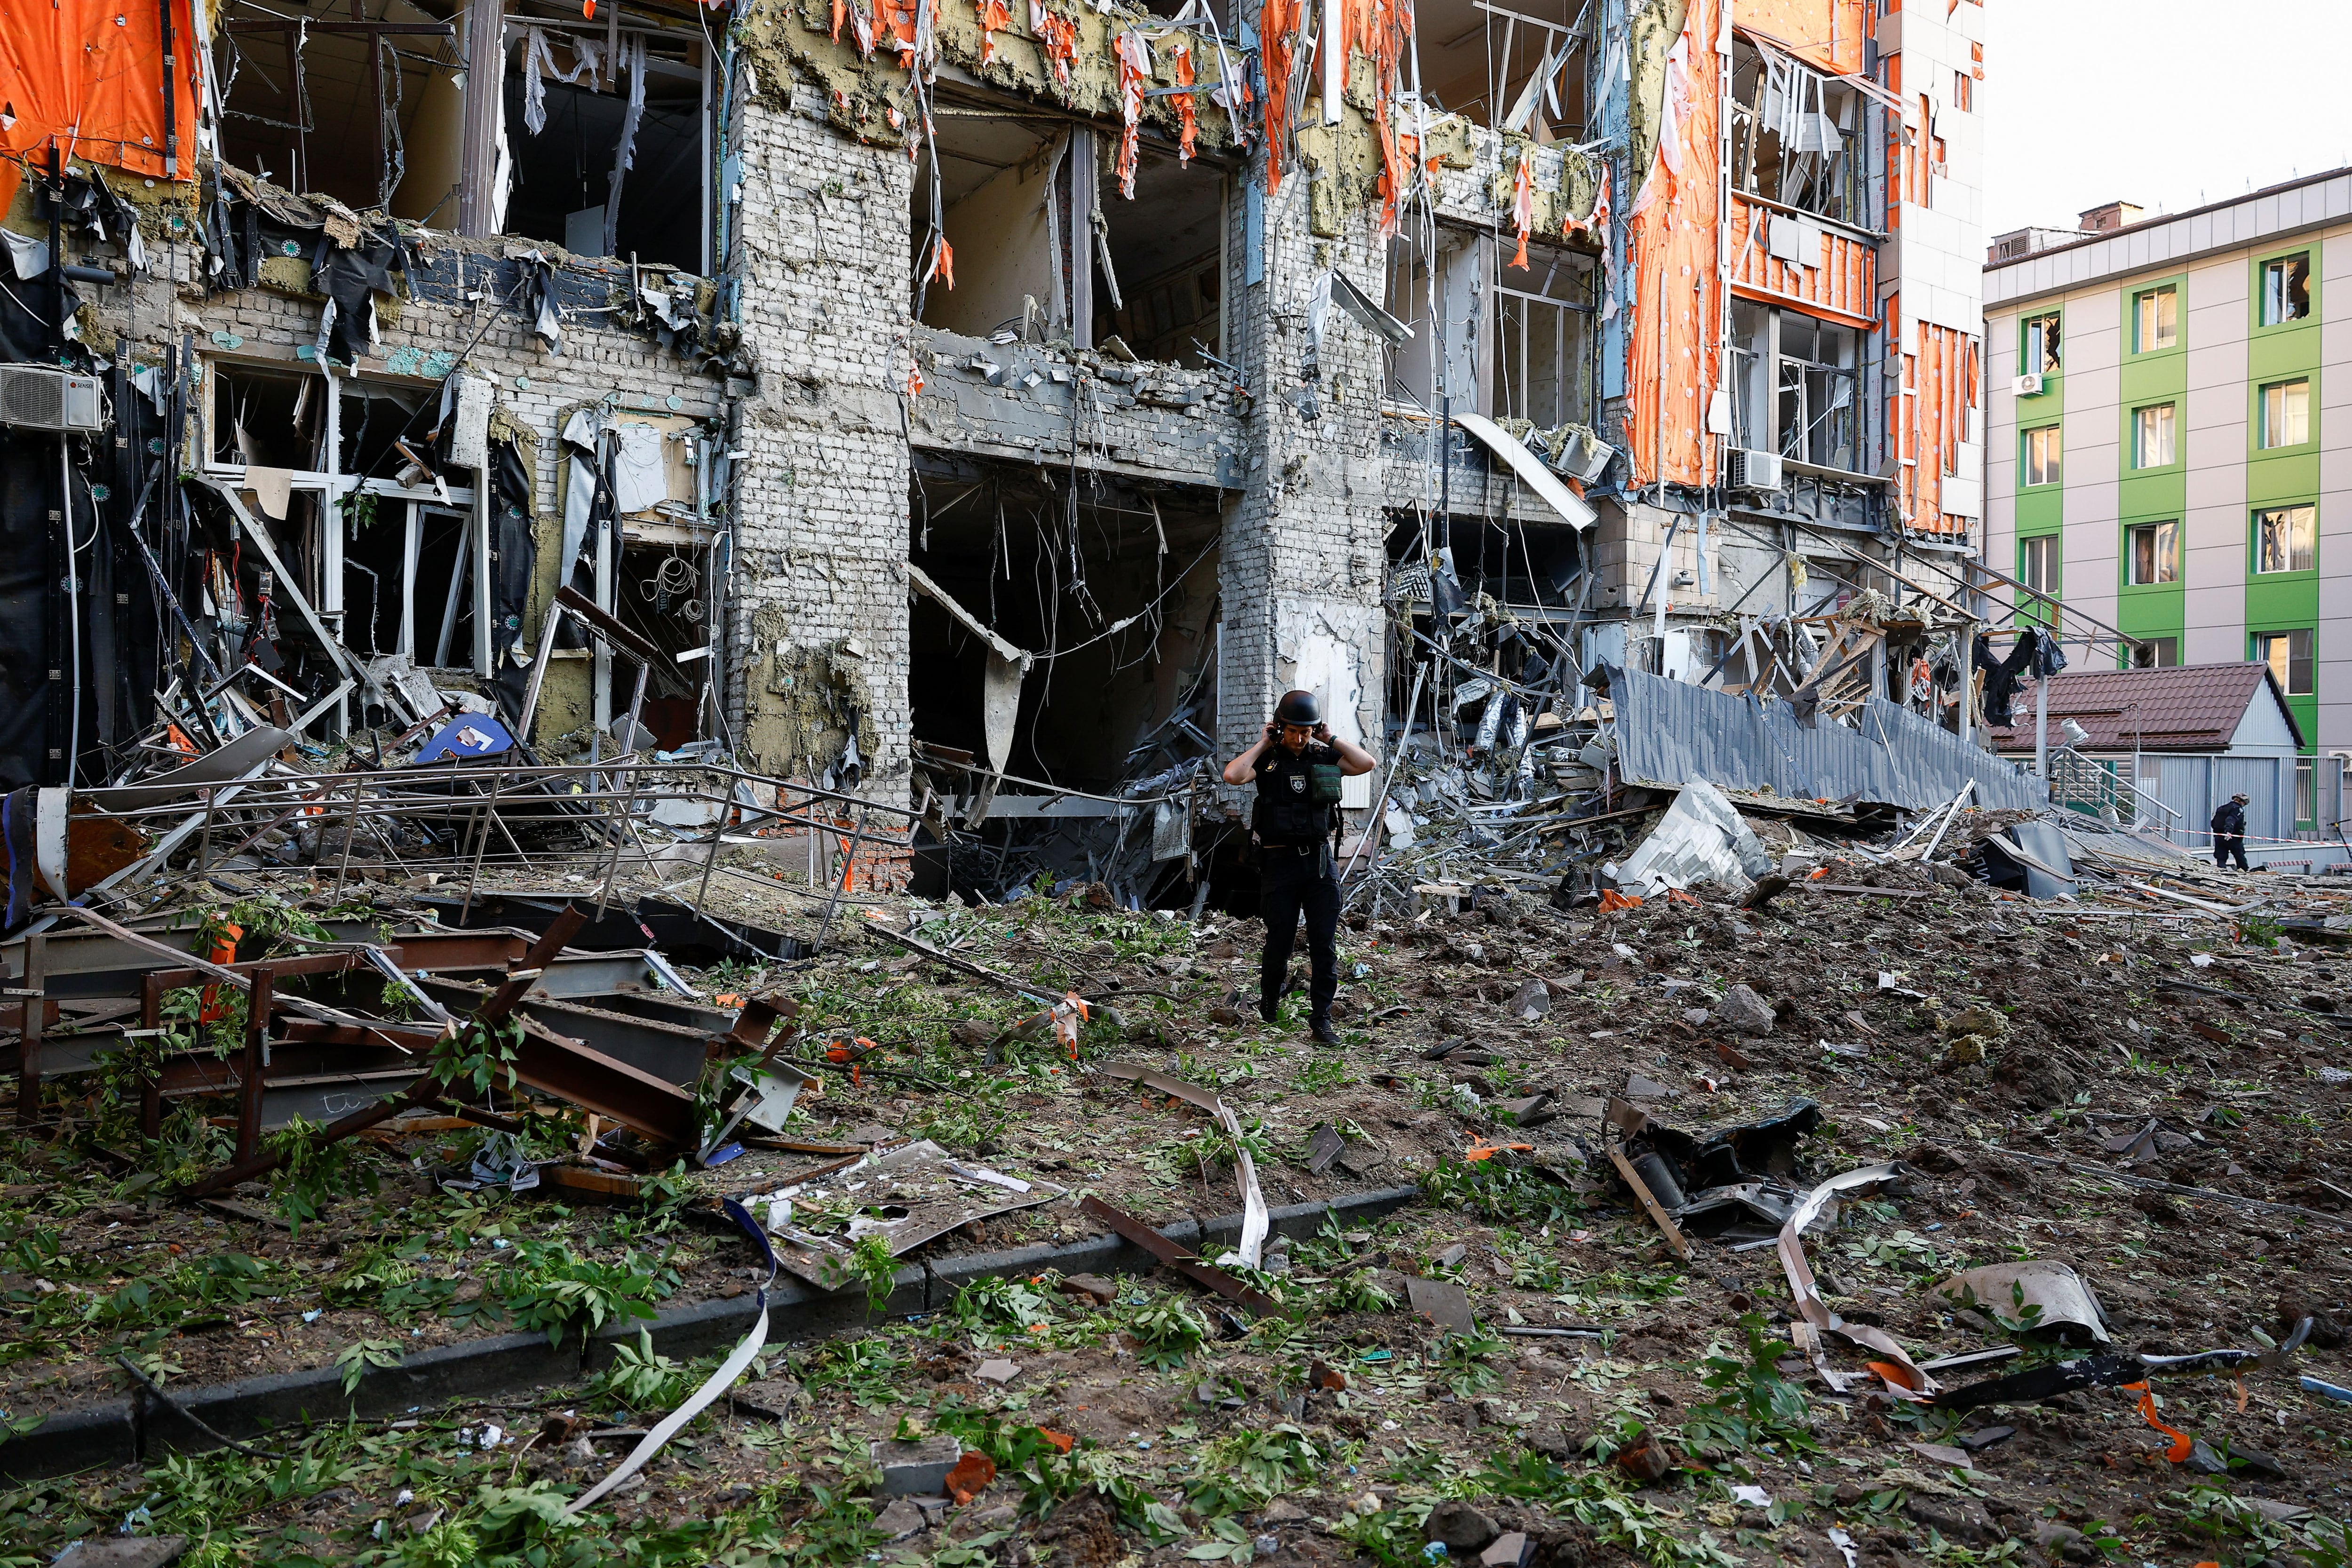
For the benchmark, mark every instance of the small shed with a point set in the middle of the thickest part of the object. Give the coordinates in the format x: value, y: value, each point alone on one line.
x: 2162, y: 747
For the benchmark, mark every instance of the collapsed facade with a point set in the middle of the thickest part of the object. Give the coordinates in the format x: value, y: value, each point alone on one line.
x: 983, y: 407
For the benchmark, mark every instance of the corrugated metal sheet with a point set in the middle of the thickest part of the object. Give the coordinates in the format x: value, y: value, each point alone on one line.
x: 1669, y: 730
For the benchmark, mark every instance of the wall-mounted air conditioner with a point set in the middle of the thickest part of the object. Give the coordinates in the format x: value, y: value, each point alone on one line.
x: 2026, y: 385
x: 38, y: 397
x: 1753, y: 470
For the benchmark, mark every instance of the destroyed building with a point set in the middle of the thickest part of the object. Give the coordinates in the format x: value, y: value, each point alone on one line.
x: 979, y: 408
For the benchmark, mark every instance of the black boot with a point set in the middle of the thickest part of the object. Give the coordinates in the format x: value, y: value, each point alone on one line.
x: 1325, y: 1035
x: 1267, y: 1009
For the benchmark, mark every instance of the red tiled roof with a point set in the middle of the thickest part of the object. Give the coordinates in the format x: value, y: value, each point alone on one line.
x: 2182, y: 708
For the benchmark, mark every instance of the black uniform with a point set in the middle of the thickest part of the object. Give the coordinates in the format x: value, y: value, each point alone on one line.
x: 2229, y: 834
x: 1296, y: 876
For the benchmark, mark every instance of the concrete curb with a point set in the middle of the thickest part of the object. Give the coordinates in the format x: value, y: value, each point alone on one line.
x: 122, y: 1431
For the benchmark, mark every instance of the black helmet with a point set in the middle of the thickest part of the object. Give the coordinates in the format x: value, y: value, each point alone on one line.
x: 1298, y: 707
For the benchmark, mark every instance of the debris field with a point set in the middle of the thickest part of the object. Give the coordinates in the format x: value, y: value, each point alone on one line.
x: 1545, y: 1264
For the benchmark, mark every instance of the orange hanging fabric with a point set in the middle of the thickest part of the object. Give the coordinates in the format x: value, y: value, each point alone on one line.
x: 1523, y: 203
x: 1278, y: 28
x: 995, y: 16
x: 1059, y: 37
x: 942, y: 262
x: 1675, y: 360
x: 91, y: 78
x: 1134, y: 71
x: 1188, y: 114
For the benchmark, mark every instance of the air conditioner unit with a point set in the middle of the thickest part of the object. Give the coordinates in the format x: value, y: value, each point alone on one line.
x: 36, y: 397
x: 1753, y: 470
x: 2026, y: 385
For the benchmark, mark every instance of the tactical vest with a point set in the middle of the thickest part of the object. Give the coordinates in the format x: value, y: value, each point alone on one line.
x: 1297, y: 797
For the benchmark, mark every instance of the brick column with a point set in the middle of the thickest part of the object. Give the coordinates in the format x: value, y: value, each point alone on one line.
x: 820, y: 490
x: 1302, y: 564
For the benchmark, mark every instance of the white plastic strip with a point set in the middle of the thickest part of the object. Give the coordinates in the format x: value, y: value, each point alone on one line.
x: 1524, y: 464
x: 718, y: 1384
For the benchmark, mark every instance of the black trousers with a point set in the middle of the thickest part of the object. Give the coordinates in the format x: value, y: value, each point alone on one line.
x: 2227, y: 844
x: 1294, y: 881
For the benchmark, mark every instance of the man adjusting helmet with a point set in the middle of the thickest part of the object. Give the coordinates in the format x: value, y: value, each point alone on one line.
x: 1297, y: 764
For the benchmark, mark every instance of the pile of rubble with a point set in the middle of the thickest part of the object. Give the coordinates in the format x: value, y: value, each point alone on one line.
x: 1712, y: 1176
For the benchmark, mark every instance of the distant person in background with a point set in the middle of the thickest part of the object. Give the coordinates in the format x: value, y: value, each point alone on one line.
x: 2229, y: 833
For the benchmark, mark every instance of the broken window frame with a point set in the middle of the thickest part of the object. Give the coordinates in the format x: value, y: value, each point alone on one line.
x: 1452, y: 359
x: 2042, y: 344
x: 514, y: 45
x: 1502, y: 378
x: 2156, y: 653
x: 2151, y: 554
x: 1770, y: 405
x: 2285, y: 539
x: 1516, y: 102
x: 1828, y: 183
x: 332, y: 486
x: 2285, y: 293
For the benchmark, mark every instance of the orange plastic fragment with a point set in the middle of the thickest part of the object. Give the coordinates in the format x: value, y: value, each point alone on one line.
x: 970, y: 1477
x: 1676, y: 896
x: 2181, y: 1441
x: 995, y: 16
x: 221, y: 952
x: 1061, y: 1440
x: 1895, y: 1372
x: 1612, y: 900
x: 1817, y: 873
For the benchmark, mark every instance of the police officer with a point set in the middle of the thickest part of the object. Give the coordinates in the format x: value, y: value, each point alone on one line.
x: 2229, y: 833
x: 1297, y: 764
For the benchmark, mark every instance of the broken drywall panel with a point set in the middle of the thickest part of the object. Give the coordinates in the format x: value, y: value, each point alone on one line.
x: 1332, y: 649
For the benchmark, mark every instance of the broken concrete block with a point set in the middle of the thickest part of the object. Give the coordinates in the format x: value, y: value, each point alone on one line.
x: 1533, y: 1001
x: 997, y: 1371
x: 916, y: 1468
x: 1743, y: 1010
x: 900, y: 1520
x: 1090, y: 1287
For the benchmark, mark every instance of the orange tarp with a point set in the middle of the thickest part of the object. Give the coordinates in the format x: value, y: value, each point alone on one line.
x: 1677, y: 300
x: 91, y: 76
x: 1825, y: 34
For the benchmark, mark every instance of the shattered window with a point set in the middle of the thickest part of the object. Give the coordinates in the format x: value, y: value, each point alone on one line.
x: 1544, y: 362
x: 2156, y: 319
x: 1796, y: 136
x: 2289, y: 656
x: 2156, y: 653
x: 2042, y: 456
x: 362, y: 104
x: 2153, y: 431
x: 2152, y: 552
x: 1751, y: 375
x: 2286, y: 414
x: 1816, y: 419
x: 2038, y: 354
x: 2285, y: 539
x: 2287, y: 289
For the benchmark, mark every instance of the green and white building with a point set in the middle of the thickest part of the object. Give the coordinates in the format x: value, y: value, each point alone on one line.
x: 2168, y: 448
